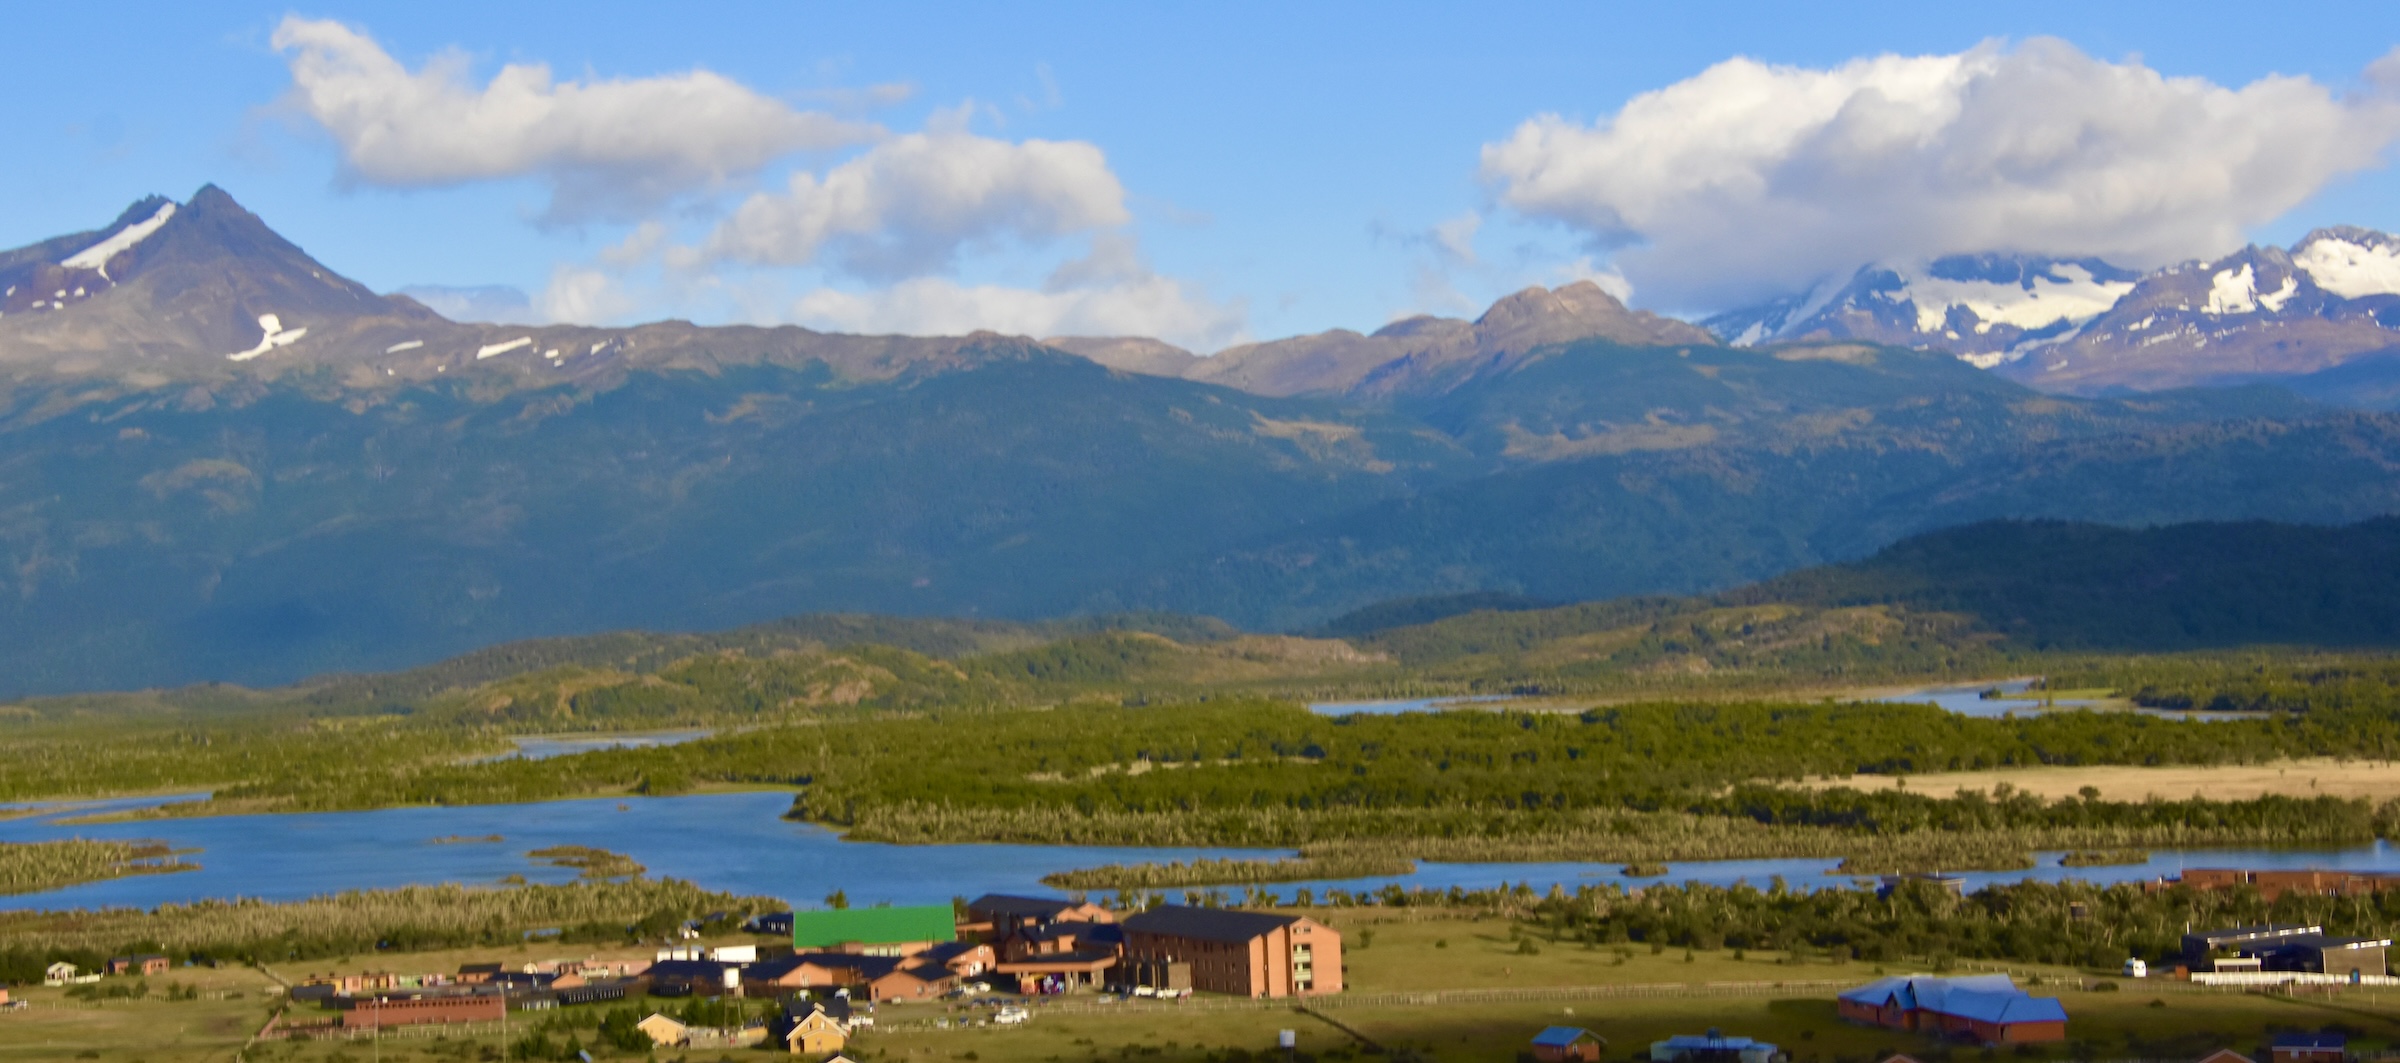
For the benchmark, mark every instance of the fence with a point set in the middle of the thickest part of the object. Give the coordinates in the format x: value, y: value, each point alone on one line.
x: 417, y: 1031
x: 1418, y: 998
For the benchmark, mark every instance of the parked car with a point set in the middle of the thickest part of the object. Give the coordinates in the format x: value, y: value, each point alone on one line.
x: 1011, y: 1016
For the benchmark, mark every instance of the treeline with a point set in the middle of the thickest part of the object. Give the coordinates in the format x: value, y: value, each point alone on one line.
x: 410, y: 919
x: 2254, y: 681
x: 2066, y: 923
x: 1254, y: 772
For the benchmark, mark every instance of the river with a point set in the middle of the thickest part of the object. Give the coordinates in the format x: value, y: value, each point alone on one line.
x: 739, y: 843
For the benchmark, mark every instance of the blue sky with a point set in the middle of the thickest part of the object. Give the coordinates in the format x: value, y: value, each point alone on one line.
x: 1211, y: 172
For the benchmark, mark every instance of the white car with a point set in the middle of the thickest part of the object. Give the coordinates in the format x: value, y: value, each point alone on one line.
x: 1011, y: 1016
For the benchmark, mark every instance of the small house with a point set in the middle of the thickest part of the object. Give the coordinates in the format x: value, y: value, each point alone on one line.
x: 2310, y: 1048
x: 924, y: 981
x: 59, y: 973
x: 664, y: 1031
x: 146, y: 963
x: 1568, y: 1044
x: 1713, y: 1047
x: 816, y: 1033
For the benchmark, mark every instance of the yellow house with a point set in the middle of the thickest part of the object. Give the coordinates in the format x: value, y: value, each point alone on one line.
x: 816, y: 1034
x: 663, y: 1030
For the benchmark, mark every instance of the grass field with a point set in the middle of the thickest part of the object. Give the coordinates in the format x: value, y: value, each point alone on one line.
x: 1416, y: 952
x: 2315, y: 777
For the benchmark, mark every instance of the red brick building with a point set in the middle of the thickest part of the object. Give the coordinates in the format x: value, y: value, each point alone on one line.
x: 373, y: 1012
x: 1251, y: 954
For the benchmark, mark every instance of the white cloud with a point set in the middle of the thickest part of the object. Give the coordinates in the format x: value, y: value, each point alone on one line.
x: 584, y: 296
x: 1750, y: 180
x: 1456, y: 237
x: 910, y: 205
x: 1609, y: 278
x: 607, y: 147
x: 1110, y: 293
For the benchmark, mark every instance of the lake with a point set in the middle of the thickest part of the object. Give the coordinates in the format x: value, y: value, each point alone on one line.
x: 543, y: 747
x: 1401, y: 705
x: 739, y: 843
x: 1968, y: 700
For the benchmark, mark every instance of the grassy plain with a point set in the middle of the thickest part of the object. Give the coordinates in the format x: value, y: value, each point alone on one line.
x: 1408, y: 951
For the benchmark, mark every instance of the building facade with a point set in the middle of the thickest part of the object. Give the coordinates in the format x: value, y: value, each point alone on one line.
x: 1252, y: 954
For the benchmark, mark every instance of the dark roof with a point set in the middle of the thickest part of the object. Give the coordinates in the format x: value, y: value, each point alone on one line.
x: 1011, y: 904
x: 2243, y: 933
x: 479, y: 968
x: 1207, y: 924
x: 1077, y: 929
x: 2311, y: 1040
x: 869, y: 968
x: 1562, y: 1036
x: 949, y: 950
x: 2317, y: 941
x: 835, y: 1008
x: 774, y: 968
x: 686, y: 969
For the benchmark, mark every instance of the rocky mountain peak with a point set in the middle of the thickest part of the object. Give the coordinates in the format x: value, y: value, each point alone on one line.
x: 1581, y: 310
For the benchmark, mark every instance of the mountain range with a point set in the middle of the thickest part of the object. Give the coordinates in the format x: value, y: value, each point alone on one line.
x: 219, y: 459
x: 2317, y: 316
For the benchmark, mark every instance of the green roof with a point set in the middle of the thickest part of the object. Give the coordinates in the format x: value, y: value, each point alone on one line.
x: 873, y: 926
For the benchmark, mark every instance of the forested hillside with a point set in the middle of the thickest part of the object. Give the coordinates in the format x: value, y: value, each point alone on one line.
x: 259, y: 531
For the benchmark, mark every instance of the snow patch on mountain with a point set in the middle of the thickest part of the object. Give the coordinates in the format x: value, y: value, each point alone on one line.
x: 2065, y: 291
x: 2351, y: 267
x: 275, y: 336
x: 96, y: 256
x: 493, y: 349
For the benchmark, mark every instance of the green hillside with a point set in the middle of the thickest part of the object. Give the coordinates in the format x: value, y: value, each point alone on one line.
x: 1983, y: 599
x: 262, y: 530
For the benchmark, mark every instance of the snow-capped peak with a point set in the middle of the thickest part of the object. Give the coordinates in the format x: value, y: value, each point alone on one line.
x: 2351, y: 263
x: 2040, y: 294
x: 96, y: 257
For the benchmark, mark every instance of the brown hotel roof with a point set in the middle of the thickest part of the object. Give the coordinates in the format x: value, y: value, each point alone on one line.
x: 1207, y: 924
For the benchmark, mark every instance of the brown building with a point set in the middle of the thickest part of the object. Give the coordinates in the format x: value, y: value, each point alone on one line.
x: 1987, y: 1008
x: 2310, y: 1048
x: 148, y: 963
x: 924, y: 981
x: 1251, y: 954
x: 1568, y: 1044
x: 373, y: 1012
x: 1004, y: 913
x: 2274, y: 884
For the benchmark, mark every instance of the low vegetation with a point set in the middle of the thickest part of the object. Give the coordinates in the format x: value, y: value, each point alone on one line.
x: 595, y: 863
x: 365, y: 922
x: 30, y: 867
x: 1209, y: 872
x: 2104, y: 857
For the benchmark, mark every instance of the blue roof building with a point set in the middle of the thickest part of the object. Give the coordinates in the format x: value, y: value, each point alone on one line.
x: 1567, y: 1044
x: 1713, y: 1047
x: 1987, y: 1007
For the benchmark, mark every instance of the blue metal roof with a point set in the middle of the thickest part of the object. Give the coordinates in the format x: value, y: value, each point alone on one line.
x: 2003, y: 1007
x: 1984, y: 997
x: 1561, y: 1036
x: 1685, y: 1040
x: 2311, y: 1040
